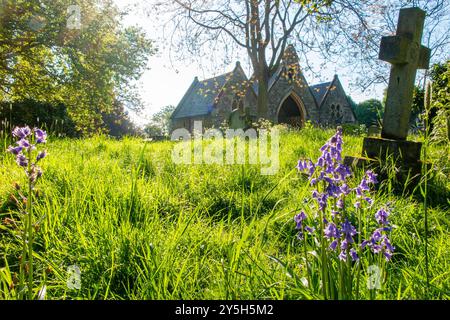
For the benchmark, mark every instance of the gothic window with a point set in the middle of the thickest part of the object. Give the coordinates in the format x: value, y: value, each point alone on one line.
x: 291, y: 73
x: 336, y: 114
x: 237, y: 103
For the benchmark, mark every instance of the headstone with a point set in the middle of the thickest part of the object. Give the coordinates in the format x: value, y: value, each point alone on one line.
x: 406, y: 54
x: 237, y: 120
x: 373, y: 131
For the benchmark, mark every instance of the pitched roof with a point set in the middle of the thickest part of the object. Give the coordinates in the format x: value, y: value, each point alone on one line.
x: 320, y: 90
x: 272, y: 80
x: 201, y: 96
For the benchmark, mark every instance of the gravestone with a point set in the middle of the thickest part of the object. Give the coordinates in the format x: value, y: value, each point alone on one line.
x: 237, y: 119
x: 406, y: 54
x: 373, y: 131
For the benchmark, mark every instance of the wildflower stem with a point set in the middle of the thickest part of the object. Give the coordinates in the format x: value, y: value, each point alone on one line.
x: 308, y: 272
x: 23, y: 258
x: 425, y: 191
x: 30, y: 230
x: 324, y: 260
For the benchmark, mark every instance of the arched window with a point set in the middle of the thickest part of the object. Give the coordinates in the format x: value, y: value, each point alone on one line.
x: 237, y: 103
x: 291, y: 73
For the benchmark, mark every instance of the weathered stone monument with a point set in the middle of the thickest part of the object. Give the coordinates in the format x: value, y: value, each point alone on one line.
x: 237, y: 119
x: 406, y: 54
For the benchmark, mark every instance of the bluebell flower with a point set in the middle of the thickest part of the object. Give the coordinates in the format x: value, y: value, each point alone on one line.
x: 41, y: 155
x: 382, y: 216
x: 301, y: 165
x: 41, y: 135
x: 363, y: 185
x: 24, y: 136
x: 331, y: 231
x: 333, y: 245
x: 348, y: 230
x: 309, y: 229
x: 345, y: 189
x: 387, y: 244
x: 354, y: 255
x: 371, y: 177
x: 299, y: 219
x: 21, y: 160
x: 25, y: 144
x: 14, y: 150
x: 21, y: 133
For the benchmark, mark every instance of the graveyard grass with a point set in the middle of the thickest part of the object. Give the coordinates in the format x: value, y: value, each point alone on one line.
x: 140, y: 227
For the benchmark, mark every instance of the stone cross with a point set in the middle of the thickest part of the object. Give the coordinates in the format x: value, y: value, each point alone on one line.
x: 406, y: 54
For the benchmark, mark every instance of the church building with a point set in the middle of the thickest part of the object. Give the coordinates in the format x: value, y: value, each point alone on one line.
x: 230, y: 98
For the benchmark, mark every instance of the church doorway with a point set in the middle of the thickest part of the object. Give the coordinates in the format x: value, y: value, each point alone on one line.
x: 290, y: 112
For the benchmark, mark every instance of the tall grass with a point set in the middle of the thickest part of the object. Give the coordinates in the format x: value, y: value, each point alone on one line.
x: 140, y: 227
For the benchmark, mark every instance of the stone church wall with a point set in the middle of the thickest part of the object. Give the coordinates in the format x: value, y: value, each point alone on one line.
x: 336, y: 107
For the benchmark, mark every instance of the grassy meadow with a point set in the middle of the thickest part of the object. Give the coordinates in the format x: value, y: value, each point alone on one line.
x: 139, y: 226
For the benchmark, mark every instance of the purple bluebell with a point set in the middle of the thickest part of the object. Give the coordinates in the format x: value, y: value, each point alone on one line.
x: 309, y: 229
x: 41, y: 135
x: 322, y: 201
x: 41, y: 155
x: 300, y: 165
x: 14, y: 150
x: 299, y: 219
x: 371, y: 177
x: 343, y: 255
x: 345, y: 189
x: 387, y: 244
x: 344, y: 244
x: 333, y: 245
x: 363, y: 185
x: 387, y: 255
x: 21, y: 160
x: 21, y: 132
x: 354, y: 255
x: 331, y: 231
x: 348, y: 230
x: 24, y: 143
x: 24, y: 137
x: 382, y: 216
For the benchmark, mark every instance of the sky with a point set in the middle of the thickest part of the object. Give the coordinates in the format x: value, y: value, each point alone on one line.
x: 166, y: 80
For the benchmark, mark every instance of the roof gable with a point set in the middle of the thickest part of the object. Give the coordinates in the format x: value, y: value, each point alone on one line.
x: 201, y: 97
x: 320, y: 90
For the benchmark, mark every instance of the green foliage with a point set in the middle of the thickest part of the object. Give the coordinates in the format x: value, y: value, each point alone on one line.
x: 369, y: 112
x: 159, y: 124
x: 117, y: 122
x: 440, y: 74
x: 140, y: 227
x: 46, y: 59
x: 51, y: 117
x: 354, y: 129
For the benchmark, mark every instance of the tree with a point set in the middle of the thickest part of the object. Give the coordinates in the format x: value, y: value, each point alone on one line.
x: 262, y: 28
x: 344, y: 32
x: 72, y: 52
x: 159, y: 124
x: 440, y: 74
x: 117, y: 123
x: 369, y: 112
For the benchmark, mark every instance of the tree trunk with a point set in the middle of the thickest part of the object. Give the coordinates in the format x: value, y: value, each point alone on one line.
x: 263, y: 95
